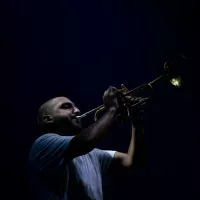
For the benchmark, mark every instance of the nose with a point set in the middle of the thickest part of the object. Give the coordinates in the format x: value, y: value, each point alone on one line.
x: 77, y: 111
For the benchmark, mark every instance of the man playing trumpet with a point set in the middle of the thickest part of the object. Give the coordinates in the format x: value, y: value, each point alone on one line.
x: 64, y: 162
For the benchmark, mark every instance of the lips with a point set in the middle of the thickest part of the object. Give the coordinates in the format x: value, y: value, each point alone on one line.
x: 75, y: 119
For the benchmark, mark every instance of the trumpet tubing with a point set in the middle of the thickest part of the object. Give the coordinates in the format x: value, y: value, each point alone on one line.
x: 168, y: 75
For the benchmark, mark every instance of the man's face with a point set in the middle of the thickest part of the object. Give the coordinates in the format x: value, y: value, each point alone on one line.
x: 65, y: 114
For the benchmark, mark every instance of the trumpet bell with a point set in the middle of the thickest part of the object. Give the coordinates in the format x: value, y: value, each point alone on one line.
x: 172, y: 75
x: 176, y: 82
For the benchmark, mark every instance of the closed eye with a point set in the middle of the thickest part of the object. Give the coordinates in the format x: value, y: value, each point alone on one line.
x: 66, y: 106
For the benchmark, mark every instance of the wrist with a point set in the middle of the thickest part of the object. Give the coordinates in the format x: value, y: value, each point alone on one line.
x: 112, y: 109
x: 137, y: 122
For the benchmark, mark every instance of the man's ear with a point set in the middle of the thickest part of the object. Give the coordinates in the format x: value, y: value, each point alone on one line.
x: 47, y: 119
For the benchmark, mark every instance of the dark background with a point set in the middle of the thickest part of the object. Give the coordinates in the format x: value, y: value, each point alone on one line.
x: 78, y: 49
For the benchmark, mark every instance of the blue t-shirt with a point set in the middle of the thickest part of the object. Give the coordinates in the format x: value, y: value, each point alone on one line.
x: 53, y: 177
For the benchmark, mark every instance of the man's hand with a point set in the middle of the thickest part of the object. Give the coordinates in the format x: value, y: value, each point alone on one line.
x: 110, y: 98
x: 135, y: 112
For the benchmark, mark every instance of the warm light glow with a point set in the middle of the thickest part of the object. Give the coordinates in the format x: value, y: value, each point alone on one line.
x: 176, y: 82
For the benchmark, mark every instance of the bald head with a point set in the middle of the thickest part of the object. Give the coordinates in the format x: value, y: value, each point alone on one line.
x: 56, y: 110
x: 47, y: 108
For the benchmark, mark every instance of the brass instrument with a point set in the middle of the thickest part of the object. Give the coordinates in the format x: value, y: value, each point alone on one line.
x: 170, y: 74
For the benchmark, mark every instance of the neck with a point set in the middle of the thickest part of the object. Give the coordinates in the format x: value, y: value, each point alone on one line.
x: 60, y: 131
x: 66, y: 131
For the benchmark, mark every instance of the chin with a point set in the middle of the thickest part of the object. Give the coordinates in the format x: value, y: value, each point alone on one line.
x: 76, y: 131
x: 77, y: 128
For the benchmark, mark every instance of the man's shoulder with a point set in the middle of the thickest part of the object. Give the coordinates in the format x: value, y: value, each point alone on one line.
x: 40, y: 139
x: 45, y: 136
x: 43, y: 143
x: 50, y: 140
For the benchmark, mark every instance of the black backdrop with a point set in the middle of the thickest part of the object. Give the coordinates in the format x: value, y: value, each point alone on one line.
x: 77, y: 49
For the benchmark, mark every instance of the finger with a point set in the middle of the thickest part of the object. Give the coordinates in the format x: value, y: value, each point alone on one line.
x: 131, y: 100
x: 119, y: 93
x: 128, y: 98
x: 113, y: 89
x: 105, y: 94
x: 124, y: 88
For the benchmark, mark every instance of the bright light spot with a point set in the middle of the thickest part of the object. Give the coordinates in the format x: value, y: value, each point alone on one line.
x: 176, y: 82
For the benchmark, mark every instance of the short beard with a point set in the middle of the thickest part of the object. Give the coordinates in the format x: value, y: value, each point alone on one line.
x: 68, y: 128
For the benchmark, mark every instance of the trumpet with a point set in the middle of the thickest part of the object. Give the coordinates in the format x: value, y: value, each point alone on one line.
x: 170, y: 74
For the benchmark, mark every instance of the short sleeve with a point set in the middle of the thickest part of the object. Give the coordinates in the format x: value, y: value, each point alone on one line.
x: 48, y: 152
x: 105, y: 158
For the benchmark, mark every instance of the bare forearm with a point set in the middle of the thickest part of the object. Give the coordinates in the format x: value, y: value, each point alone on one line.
x: 136, y: 146
x: 91, y: 136
x: 139, y: 153
x: 131, y: 148
x: 126, y: 160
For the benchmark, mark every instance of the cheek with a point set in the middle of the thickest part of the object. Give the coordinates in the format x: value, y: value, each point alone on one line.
x: 63, y: 114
